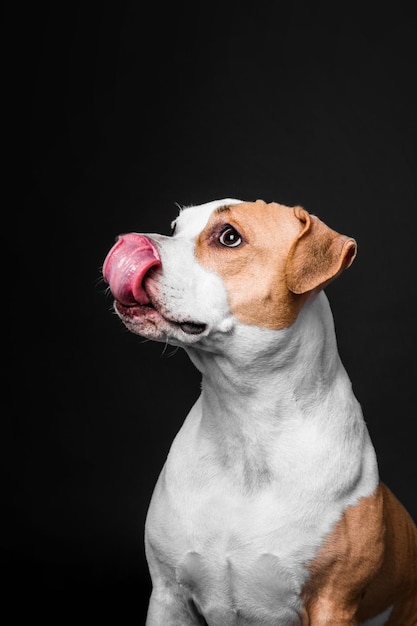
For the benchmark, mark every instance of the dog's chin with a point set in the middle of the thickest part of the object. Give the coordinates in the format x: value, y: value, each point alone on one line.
x: 147, y: 321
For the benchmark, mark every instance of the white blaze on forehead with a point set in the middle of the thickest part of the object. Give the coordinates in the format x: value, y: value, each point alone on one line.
x: 192, y: 220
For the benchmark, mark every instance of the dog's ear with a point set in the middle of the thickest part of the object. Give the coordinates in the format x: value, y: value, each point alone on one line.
x: 317, y: 255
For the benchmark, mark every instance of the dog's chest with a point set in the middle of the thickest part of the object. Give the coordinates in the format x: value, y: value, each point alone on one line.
x: 240, y: 550
x: 236, y: 557
x: 240, y: 586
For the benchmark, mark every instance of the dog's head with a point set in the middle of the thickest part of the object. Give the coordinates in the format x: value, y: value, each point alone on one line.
x: 226, y: 262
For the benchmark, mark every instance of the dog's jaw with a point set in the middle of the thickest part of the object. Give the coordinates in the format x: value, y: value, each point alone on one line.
x: 147, y: 321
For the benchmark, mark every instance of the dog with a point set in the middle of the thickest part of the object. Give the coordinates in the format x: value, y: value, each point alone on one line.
x: 269, y: 509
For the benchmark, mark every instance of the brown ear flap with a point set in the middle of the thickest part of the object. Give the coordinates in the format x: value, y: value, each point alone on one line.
x: 318, y: 254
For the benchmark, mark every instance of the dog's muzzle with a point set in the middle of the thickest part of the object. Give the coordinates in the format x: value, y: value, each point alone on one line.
x: 125, y: 268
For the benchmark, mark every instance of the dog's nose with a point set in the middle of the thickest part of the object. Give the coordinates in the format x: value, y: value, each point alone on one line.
x: 126, y: 265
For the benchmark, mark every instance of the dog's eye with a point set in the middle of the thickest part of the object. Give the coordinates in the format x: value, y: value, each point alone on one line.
x: 230, y: 237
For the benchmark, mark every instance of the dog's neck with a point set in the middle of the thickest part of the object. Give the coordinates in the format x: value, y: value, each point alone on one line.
x: 274, y: 368
x: 272, y: 385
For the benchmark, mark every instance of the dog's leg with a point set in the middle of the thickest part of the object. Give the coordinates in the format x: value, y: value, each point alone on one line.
x: 326, y: 612
x: 168, y: 609
x: 320, y: 617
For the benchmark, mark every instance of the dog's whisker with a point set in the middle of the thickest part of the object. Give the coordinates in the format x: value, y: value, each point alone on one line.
x: 173, y: 353
x: 165, y: 348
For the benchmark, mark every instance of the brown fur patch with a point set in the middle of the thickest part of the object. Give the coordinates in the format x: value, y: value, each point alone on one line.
x: 254, y: 272
x: 284, y: 254
x: 367, y: 564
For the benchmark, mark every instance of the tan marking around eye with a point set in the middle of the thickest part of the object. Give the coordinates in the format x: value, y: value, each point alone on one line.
x: 254, y: 273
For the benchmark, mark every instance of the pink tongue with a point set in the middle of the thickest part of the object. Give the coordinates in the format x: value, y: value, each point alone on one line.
x: 126, y: 265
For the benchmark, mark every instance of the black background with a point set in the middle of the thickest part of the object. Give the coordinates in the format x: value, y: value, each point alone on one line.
x: 116, y: 112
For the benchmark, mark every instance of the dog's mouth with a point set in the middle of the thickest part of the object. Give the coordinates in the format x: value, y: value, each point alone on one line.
x: 192, y: 328
x: 128, y: 270
x: 138, y: 314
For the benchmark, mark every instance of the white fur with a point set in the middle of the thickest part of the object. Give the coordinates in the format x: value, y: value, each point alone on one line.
x: 192, y: 220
